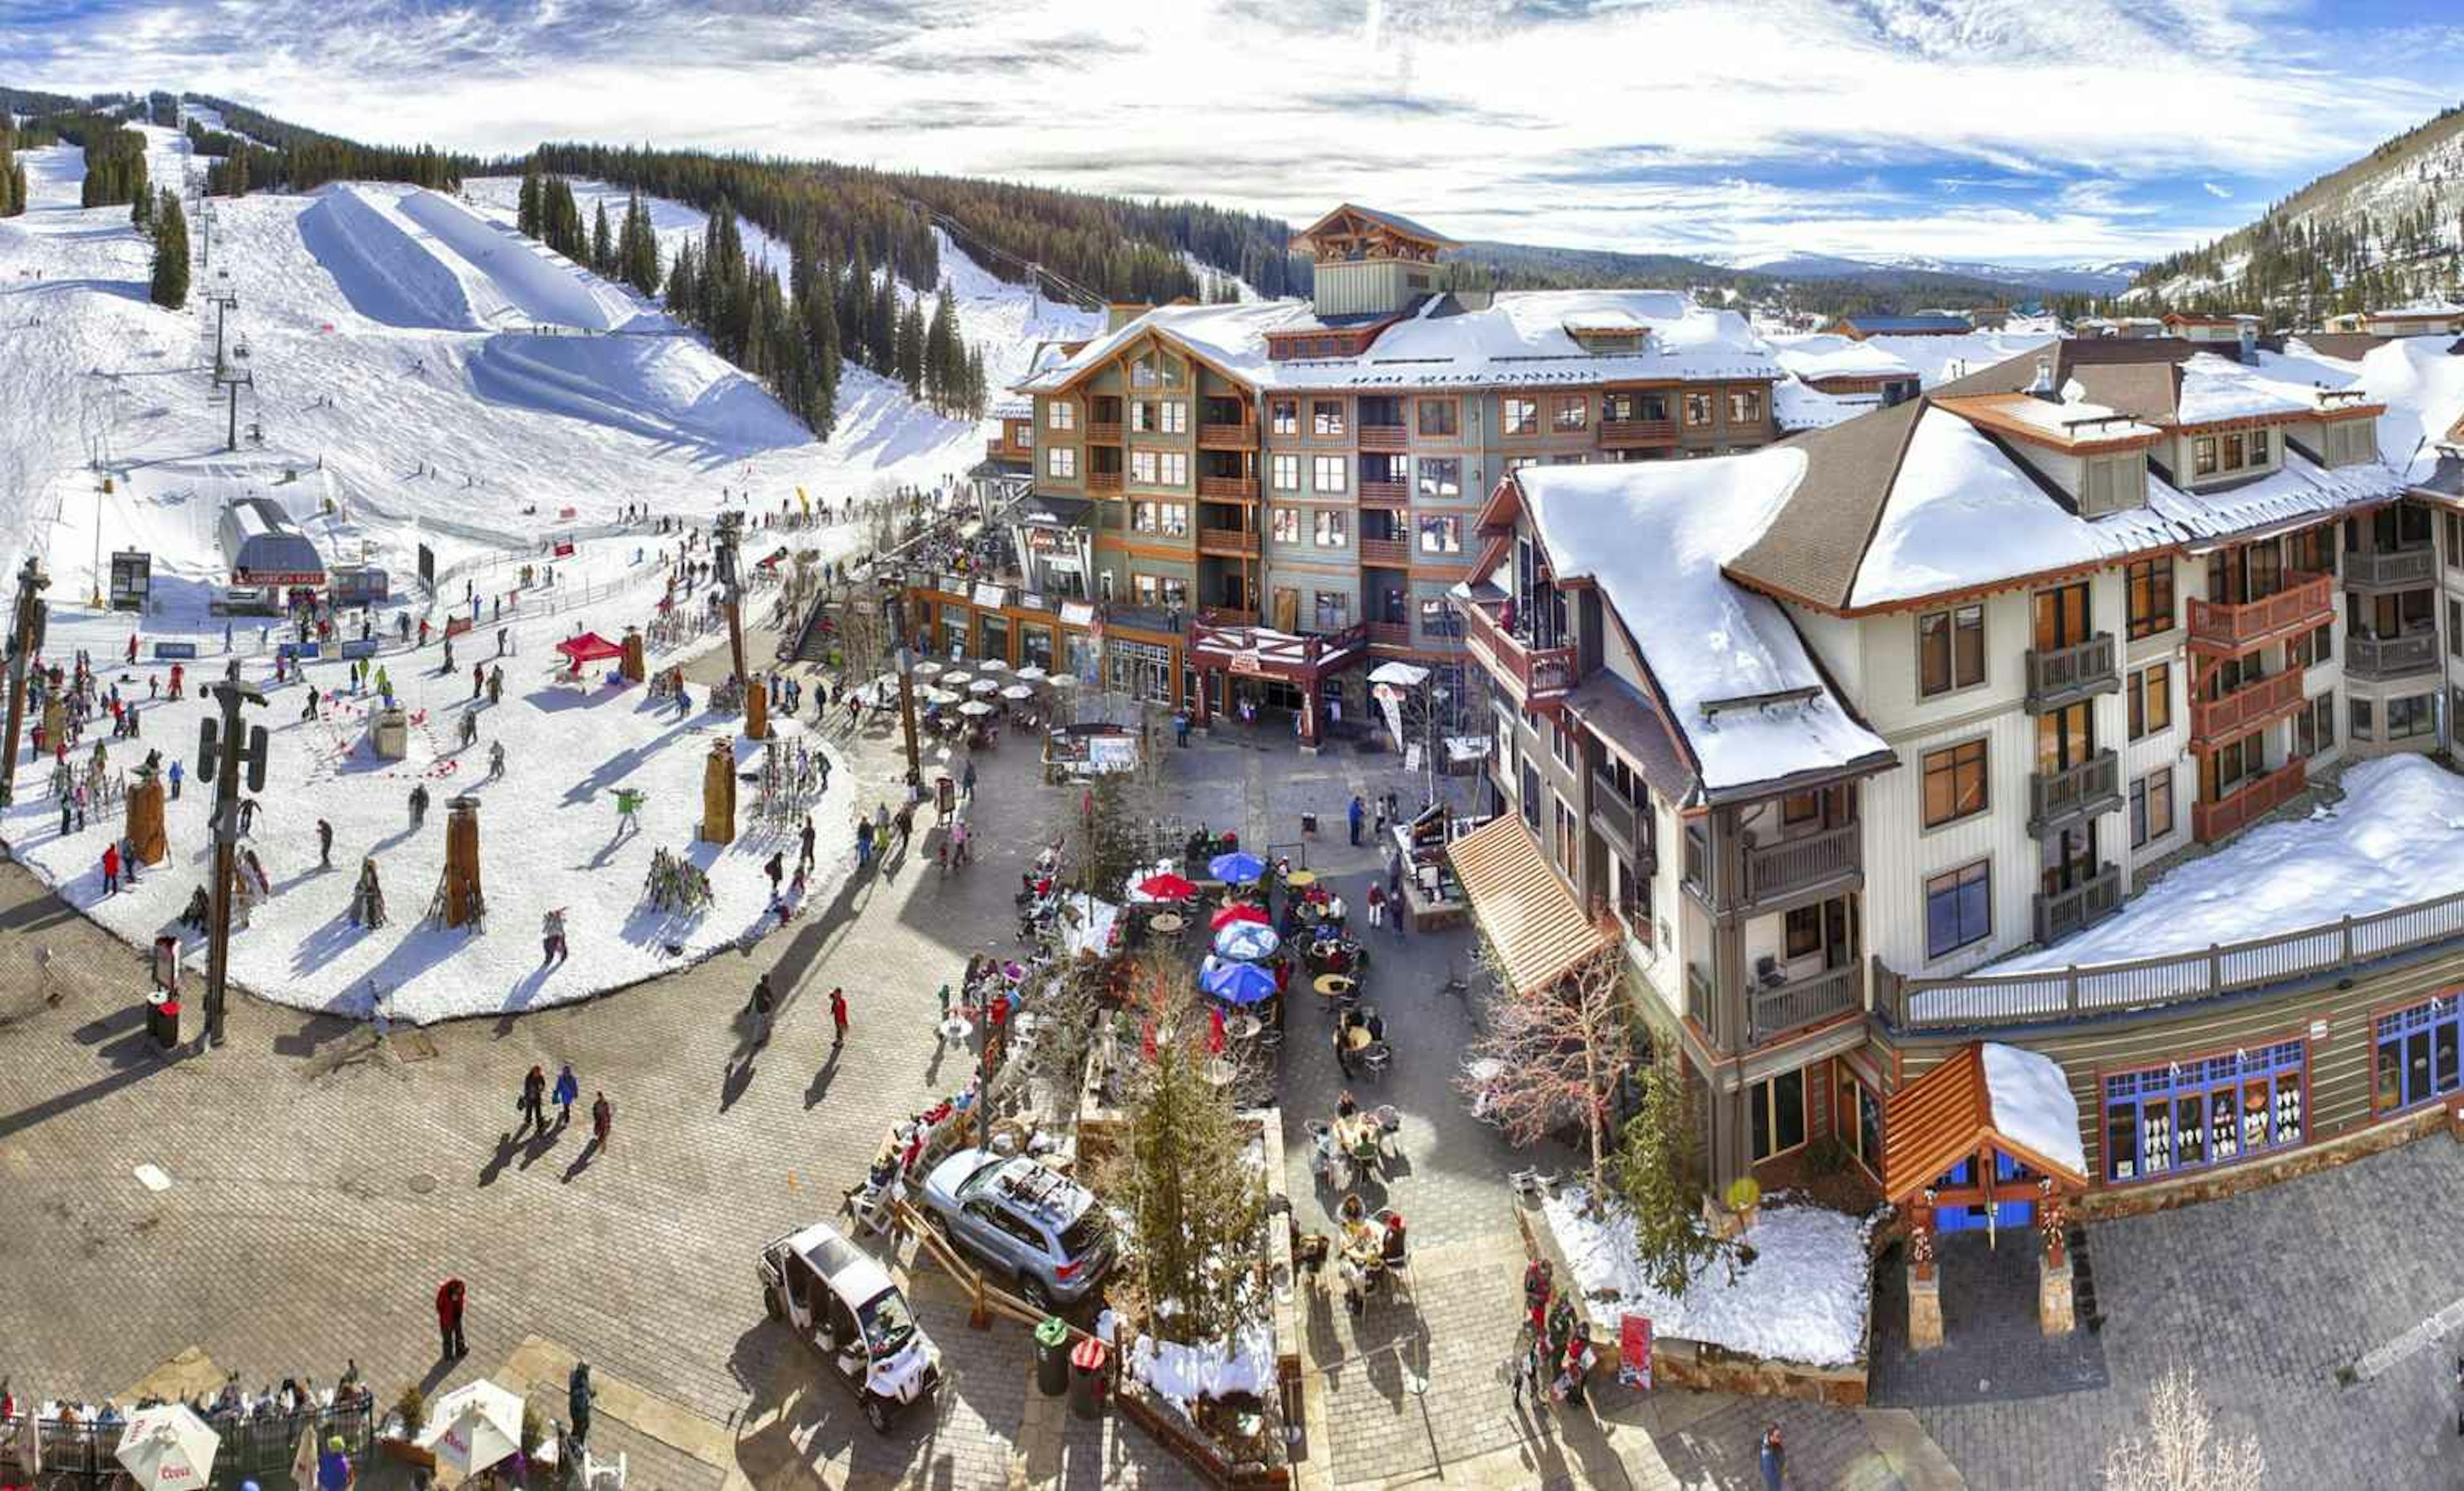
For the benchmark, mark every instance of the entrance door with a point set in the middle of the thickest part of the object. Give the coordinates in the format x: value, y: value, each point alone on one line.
x: 2008, y: 1214
x: 1288, y: 608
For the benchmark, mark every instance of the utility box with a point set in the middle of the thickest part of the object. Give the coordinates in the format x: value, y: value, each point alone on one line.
x: 391, y: 735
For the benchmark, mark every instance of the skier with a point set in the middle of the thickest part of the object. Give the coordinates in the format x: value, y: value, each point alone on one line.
x: 552, y: 937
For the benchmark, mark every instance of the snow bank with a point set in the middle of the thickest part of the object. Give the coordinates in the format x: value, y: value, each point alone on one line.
x: 669, y: 389
x: 2033, y: 1106
x: 1804, y: 1297
x: 537, y: 283
x: 1215, y: 1370
x: 382, y: 264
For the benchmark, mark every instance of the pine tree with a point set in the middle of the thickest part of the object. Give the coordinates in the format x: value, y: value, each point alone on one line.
x: 235, y: 178
x: 141, y: 211
x: 11, y: 193
x: 602, y: 242
x: 170, y: 287
x: 684, y: 287
x: 526, y: 216
x: 1658, y: 1177
x: 909, y: 349
x: 945, y: 366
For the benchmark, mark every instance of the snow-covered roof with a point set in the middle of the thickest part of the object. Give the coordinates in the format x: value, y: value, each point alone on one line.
x: 1520, y: 338
x: 2072, y: 419
x: 2429, y: 306
x: 1796, y: 406
x: 1828, y: 356
x: 2033, y: 1107
x: 1654, y: 535
x: 1938, y: 359
x: 2217, y: 388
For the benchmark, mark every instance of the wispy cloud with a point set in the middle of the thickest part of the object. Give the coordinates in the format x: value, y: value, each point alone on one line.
x: 1958, y: 128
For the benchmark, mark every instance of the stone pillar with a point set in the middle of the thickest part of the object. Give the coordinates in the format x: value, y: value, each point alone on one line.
x: 756, y: 710
x: 2056, y: 1315
x: 718, y: 793
x: 1925, y: 1311
x: 635, y: 667
x: 464, y: 901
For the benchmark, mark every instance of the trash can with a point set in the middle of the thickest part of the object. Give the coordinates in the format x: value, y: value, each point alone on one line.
x: 1087, y: 1379
x: 163, y: 1018
x: 1308, y: 824
x: 1052, y: 1357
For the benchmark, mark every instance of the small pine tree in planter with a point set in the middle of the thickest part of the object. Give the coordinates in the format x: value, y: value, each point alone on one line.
x: 1656, y: 1180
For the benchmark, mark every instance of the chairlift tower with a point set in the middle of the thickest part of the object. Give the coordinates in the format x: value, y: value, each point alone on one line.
x: 233, y: 380
x: 224, y: 300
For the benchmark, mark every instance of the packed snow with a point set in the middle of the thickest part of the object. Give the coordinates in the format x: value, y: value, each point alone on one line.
x: 1804, y: 1297
x: 1216, y: 1369
x: 1654, y: 535
x: 2219, y: 388
x: 2033, y: 1107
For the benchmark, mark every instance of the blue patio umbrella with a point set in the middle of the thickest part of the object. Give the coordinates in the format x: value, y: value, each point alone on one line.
x: 1235, y: 869
x: 1246, y: 942
x: 1238, y: 983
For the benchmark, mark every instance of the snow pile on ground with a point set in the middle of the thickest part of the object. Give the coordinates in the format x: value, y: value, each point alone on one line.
x: 2396, y: 839
x: 1803, y: 1299
x: 1215, y: 1370
x: 2033, y: 1106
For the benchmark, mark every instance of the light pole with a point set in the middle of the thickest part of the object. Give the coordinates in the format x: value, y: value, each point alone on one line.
x: 218, y: 761
x: 25, y: 640
x: 905, y: 659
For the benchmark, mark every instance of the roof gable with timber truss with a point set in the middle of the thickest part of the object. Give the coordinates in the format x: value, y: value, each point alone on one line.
x: 1151, y: 339
x: 1948, y: 1116
x: 1352, y: 231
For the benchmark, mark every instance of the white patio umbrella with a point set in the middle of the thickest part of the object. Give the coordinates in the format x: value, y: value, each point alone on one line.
x: 1018, y: 691
x: 984, y: 686
x: 1031, y: 674
x: 938, y: 696
x: 974, y: 706
x: 1064, y: 680
x: 168, y: 1448
x: 473, y: 1427
x: 992, y: 665
x: 927, y: 668
x: 956, y: 680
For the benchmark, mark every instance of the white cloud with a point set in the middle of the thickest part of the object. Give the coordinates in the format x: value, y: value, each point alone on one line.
x: 2215, y: 190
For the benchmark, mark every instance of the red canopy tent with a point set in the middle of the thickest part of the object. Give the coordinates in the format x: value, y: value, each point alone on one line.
x: 588, y: 647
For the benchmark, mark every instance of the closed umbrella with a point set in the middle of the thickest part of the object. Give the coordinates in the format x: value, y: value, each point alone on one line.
x: 1238, y: 983
x: 1235, y: 869
x: 1018, y: 691
x: 167, y: 1448
x: 473, y: 1427
x: 1237, y: 911
x: 1246, y: 942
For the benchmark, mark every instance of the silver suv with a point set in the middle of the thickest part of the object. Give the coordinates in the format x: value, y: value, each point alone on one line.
x: 1042, y: 1228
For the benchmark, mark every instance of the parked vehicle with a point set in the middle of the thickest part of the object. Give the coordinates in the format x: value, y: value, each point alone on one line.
x: 833, y: 1294
x: 1037, y: 1226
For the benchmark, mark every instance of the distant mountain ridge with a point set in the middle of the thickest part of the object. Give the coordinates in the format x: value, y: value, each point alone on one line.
x: 2081, y: 279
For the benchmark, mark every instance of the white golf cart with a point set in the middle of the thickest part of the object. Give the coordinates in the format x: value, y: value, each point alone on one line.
x: 832, y: 1294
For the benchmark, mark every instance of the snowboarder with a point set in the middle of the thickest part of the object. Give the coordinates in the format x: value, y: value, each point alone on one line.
x: 449, y: 1300
x: 418, y: 805
x: 552, y: 937
x: 495, y: 759
x: 566, y: 1091
x: 838, y: 1016
x: 533, y: 1105
x: 325, y: 844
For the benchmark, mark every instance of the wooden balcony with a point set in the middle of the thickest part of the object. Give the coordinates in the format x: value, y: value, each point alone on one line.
x: 1228, y: 616
x: 1235, y: 543
x: 1389, y: 439
x: 2248, y: 708
x: 2057, y: 800
x: 2084, y: 904
x: 2253, y: 799
x: 2392, y: 569
x: 1384, y: 493
x: 2061, y: 676
x: 2392, y: 657
x: 1533, y: 677
x: 1788, y: 869
x: 1241, y: 436
x: 1103, y: 481
x: 1229, y: 488
x: 1612, y: 815
x: 1389, y: 634
x: 2306, y: 601
x: 1106, y: 433
x: 1774, y: 1010
x: 1631, y: 434
x: 1389, y: 552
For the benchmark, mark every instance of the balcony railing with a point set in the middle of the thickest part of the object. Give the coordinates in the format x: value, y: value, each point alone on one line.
x: 2392, y: 657
x: 2392, y: 569
x: 2255, y: 798
x: 1619, y: 434
x: 2306, y: 602
x: 1384, y: 493
x: 2080, y: 908
x: 1105, y: 433
x: 1391, y: 634
x: 1103, y: 481
x: 1229, y: 488
x: 1228, y: 616
x: 1613, y: 813
x: 2250, y: 707
x: 1213, y: 433
x: 2057, y: 798
x: 1533, y: 675
x: 2060, y: 676
x: 1237, y: 542
x: 1392, y: 553
x: 1807, y: 861
x: 1391, y: 439
x: 1775, y: 1010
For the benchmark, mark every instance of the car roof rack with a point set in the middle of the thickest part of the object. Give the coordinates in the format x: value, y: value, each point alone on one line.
x: 1033, y: 1185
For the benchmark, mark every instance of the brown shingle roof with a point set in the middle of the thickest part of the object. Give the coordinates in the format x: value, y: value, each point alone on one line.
x: 1615, y: 711
x: 1817, y: 542
x: 2145, y: 391
x: 2346, y: 346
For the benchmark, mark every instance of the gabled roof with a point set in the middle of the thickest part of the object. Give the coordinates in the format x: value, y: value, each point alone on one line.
x: 1395, y: 223
x: 1907, y: 325
x: 1983, y: 1096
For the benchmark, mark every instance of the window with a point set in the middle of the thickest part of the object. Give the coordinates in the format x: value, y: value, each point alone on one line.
x: 1573, y: 411
x: 2150, y: 585
x: 1061, y: 414
x: 2313, y: 649
x: 1950, y: 650
x: 2258, y: 446
x: 1059, y: 461
x: 1284, y: 416
x: 1328, y: 529
x: 1858, y: 1118
x: 1522, y: 415
x: 2151, y: 807
x: 1175, y: 469
x: 1440, y: 476
x: 1142, y: 463
x: 2454, y: 627
x: 2314, y: 729
x: 2203, y: 457
x: 2111, y: 483
x: 1286, y: 523
x: 1438, y: 418
x: 1326, y: 417
x: 1745, y: 406
x: 2416, y: 1055
x: 2151, y: 700
x: 1440, y: 535
x: 1698, y: 412
x: 1800, y: 807
x: 2212, y: 1110
x: 1954, y: 783
x: 1285, y: 471
x: 2410, y: 718
x: 1804, y: 931
x: 1440, y: 620
x: 1327, y: 473
x: 1176, y: 417
x: 2365, y: 727
x: 1569, y: 837
x: 1778, y: 1108
x: 1142, y: 416
x: 2238, y: 450
x: 1335, y: 613
x: 1168, y: 519
x: 1959, y: 908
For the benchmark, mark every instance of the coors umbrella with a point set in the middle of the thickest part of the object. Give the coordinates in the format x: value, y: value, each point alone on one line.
x: 168, y: 1448
x: 473, y: 1427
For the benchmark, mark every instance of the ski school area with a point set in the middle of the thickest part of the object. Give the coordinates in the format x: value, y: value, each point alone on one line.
x: 538, y: 683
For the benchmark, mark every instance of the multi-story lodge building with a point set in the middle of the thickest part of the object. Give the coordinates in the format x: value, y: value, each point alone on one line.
x: 1259, y: 499
x: 1826, y: 729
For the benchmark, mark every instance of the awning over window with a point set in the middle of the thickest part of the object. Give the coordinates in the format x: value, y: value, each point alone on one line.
x: 1988, y: 1096
x: 1526, y: 913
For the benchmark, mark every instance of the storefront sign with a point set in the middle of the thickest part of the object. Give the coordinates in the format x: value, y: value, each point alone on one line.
x: 1634, y: 1351
x: 1246, y: 664
x: 163, y: 651
x: 990, y: 594
x: 271, y: 577
x: 1077, y: 613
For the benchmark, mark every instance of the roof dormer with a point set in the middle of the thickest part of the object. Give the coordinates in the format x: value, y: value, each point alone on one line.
x: 1371, y: 263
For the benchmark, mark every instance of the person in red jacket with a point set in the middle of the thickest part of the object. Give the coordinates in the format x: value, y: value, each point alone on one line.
x: 450, y: 1297
x: 111, y: 870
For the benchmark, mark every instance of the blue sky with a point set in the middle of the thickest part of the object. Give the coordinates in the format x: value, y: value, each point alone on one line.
x: 2023, y: 130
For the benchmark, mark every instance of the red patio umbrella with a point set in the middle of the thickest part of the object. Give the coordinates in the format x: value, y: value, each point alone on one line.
x: 1237, y: 911
x: 1166, y: 887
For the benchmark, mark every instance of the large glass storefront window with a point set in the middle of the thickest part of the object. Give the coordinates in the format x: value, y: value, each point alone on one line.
x: 996, y: 640
x: 2416, y: 1058
x: 2211, y: 1112
x: 1140, y: 669
x: 1035, y: 646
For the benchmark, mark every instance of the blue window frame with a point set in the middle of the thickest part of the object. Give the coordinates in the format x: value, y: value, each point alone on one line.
x: 2417, y: 1051
x: 2214, y: 1110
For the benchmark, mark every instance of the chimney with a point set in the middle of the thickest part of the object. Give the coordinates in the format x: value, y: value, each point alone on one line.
x: 2044, y: 386
x: 1118, y: 314
x: 2249, y: 339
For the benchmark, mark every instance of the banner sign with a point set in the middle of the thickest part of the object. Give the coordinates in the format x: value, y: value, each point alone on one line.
x: 163, y: 651
x: 1634, y: 1351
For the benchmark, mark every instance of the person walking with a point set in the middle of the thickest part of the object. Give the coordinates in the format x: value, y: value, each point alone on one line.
x: 838, y: 1016
x: 967, y: 779
x: 776, y: 869
x: 450, y: 1296
x: 1377, y: 904
x: 1352, y: 815
x: 533, y: 1105
x: 552, y: 937
x: 479, y: 679
x: 178, y: 776
x: 310, y: 712
x: 765, y: 1004
x: 1775, y: 1460
x: 1180, y: 728
x: 602, y: 1115
x: 568, y: 1090
x: 495, y: 759
x: 863, y: 838
x: 418, y: 805
x: 804, y: 854
x: 579, y: 1395
x: 111, y: 869
x: 325, y: 844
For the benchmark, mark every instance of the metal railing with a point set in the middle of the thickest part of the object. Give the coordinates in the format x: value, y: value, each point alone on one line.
x: 2389, y: 569
x: 1777, y: 1009
x: 252, y: 1448
x: 2065, y: 675
x: 2091, y: 787
x: 1612, y: 813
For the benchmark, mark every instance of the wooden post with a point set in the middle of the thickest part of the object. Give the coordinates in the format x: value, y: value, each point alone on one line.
x: 718, y: 793
x: 145, y: 821
x: 635, y: 667
x: 756, y: 711
x: 464, y: 901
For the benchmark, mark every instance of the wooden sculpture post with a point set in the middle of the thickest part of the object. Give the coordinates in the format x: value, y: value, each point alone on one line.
x: 464, y: 903
x: 634, y: 667
x: 718, y: 793
x: 145, y: 819
x: 756, y: 711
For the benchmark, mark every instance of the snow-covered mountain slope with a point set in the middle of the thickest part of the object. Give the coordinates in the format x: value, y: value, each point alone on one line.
x: 2091, y: 278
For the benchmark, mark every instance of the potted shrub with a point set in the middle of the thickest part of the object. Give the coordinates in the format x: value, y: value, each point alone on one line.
x: 1744, y: 1198
x: 410, y: 1414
